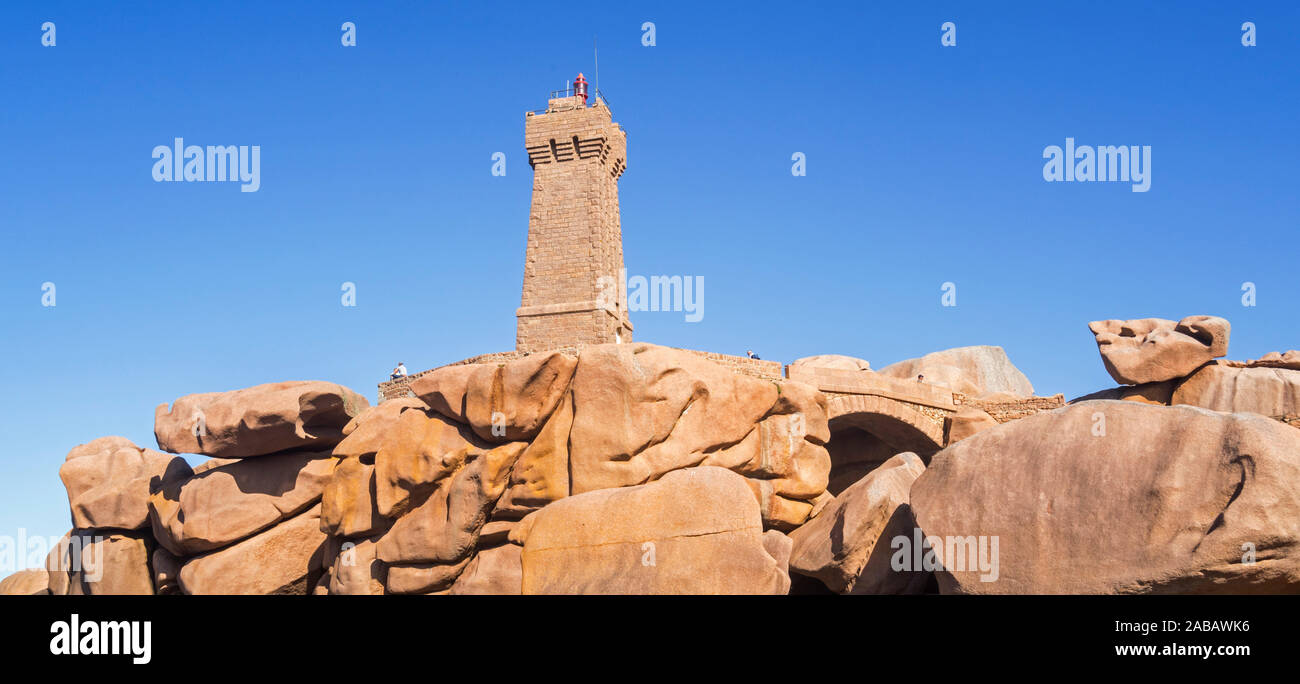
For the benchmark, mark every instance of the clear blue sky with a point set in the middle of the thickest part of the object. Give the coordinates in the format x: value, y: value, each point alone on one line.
x: 924, y: 165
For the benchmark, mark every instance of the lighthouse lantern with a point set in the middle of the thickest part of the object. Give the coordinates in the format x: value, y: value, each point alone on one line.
x: 580, y: 88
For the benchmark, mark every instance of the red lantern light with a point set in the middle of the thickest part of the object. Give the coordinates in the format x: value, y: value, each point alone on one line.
x: 580, y: 88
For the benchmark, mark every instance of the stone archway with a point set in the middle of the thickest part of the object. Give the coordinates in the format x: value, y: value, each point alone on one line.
x: 866, y: 430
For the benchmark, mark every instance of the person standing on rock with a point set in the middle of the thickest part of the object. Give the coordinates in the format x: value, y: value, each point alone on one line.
x: 399, y: 372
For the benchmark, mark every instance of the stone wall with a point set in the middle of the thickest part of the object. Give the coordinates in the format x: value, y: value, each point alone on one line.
x: 1006, y: 411
x: 838, y: 381
x: 758, y: 368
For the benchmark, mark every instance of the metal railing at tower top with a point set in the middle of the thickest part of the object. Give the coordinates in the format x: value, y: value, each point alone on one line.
x: 593, y: 92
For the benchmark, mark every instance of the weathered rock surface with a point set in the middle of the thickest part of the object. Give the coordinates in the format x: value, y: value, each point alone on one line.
x: 26, y: 583
x: 430, y: 489
x: 1154, y: 349
x: 1289, y: 360
x: 305, y: 415
x: 967, y: 421
x: 836, y: 361
x: 520, y: 394
x: 108, y: 482
x: 420, y: 487
x: 1118, y: 497
x: 541, y: 474
x: 57, y: 565
x: 282, y: 560
x: 496, y: 570
x: 356, y: 571
x: 424, y: 578
x: 641, y: 411
x: 619, y: 415
x: 444, y: 528
x: 213, y: 463
x: 227, y: 503
x: 1268, y: 391
x: 412, y: 448
x: 974, y: 371
x: 780, y: 547
x: 846, y: 546
x: 88, y: 562
x: 693, y: 531
x: 495, y: 532
x: 1157, y: 393
x: 166, y: 572
x: 348, y: 506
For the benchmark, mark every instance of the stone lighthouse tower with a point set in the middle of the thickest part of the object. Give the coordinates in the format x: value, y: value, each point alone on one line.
x: 573, y: 285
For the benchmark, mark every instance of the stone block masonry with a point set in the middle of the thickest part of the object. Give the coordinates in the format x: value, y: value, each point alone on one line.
x: 1007, y: 410
x: 572, y: 286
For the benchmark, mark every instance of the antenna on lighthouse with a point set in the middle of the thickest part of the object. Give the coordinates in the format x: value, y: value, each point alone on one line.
x: 596, y: 53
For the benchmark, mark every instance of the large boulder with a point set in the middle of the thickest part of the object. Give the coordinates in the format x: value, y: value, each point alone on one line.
x: 26, y: 583
x: 1289, y: 360
x: 497, y: 570
x: 974, y: 371
x: 420, y: 487
x: 348, y: 501
x: 1266, y: 390
x: 693, y: 531
x: 424, y: 578
x: 501, y: 402
x: 541, y: 474
x: 57, y: 564
x: 356, y: 571
x: 230, y: 502
x: 166, y: 572
x: 285, y: 559
x: 1155, y: 349
x: 621, y: 415
x: 1116, y: 497
x: 444, y: 527
x: 847, y: 545
x: 90, y: 563
x: 306, y: 415
x: 835, y: 361
x: 640, y: 411
x: 109, y: 479
x: 1158, y: 393
x: 967, y: 421
x: 412, y: 449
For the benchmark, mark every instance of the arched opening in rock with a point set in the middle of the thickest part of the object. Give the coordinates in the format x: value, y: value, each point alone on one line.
x: 861, y: 441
